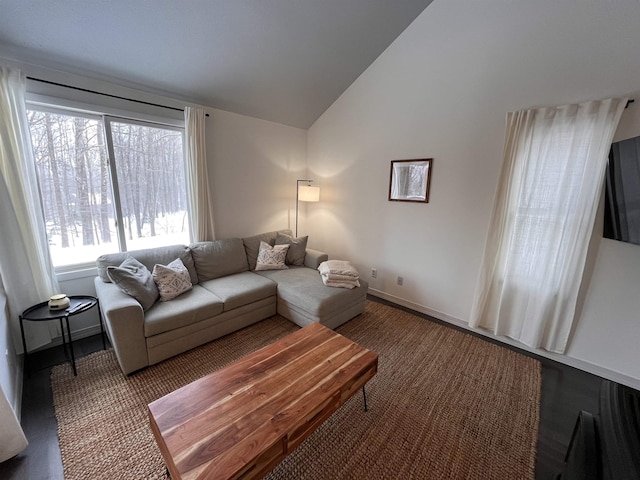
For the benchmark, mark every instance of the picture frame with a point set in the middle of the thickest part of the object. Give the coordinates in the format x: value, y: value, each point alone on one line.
x: 410, y: 180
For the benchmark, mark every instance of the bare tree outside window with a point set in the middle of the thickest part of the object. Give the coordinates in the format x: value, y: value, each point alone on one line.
x: 151, y: 179
x: 76, y: 187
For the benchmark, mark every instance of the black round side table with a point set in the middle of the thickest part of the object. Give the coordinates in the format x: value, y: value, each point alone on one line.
x: 41, y: 313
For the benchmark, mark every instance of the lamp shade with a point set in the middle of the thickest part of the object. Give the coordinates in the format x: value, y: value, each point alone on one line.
x: 308, y: 193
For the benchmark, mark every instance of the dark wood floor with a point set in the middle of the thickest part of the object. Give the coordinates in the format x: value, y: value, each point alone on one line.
x: 41, y: 459
x: 565, y: 391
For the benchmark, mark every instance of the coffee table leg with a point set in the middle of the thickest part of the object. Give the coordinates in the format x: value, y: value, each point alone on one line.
x: 364, y: 397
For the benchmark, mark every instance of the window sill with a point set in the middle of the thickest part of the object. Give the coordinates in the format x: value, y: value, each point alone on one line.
x: 76, y: 272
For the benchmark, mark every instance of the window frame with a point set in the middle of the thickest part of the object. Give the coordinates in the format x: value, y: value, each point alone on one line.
x: 106, y: 115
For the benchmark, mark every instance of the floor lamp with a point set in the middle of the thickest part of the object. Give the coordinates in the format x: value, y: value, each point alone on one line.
x: 305, y: 193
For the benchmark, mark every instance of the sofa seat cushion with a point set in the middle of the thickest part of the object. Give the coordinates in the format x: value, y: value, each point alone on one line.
x: 302, y: 287
x: 193, y: 306
x: 241, y: 289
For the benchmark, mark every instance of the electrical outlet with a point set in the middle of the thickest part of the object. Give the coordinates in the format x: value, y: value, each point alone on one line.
x: 374, y: 273
x: 400, y: 281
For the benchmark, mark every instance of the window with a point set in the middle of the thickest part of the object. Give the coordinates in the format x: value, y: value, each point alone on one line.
x: 549, y: 198
x: 542, y: 223
x: 107, y: 184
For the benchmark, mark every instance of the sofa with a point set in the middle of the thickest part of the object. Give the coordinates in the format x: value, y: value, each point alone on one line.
x: 229, y: 289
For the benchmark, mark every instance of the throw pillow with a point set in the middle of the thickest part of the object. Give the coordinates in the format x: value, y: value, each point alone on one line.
x: 252, y: 246
x: 172, y: 280
x: 271, y: 258
x: 135, y: 280
x: 297, y: 248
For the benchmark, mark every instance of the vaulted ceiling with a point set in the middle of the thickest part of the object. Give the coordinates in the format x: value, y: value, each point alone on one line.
x: 280, y: 60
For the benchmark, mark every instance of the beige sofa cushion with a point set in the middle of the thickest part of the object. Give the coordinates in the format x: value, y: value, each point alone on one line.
x: 303, y: 288
x: 241, y: 289
x: 297, y: 248
x: 193, y: 306
x: 218, y: 258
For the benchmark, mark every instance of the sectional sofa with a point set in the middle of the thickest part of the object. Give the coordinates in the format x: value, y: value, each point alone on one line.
x: 227, y: 294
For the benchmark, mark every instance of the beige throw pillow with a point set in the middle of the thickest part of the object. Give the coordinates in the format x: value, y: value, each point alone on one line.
x: 172, y: 280
x: 271, y: 258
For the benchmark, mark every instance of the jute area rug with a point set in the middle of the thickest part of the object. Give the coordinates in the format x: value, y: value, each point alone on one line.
x: 444, y: 405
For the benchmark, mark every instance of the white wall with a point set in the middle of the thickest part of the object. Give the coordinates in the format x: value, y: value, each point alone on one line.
x: 254, y: 165
x: 12, y: 439
x: 10, y: 368
x: 612, y: 302
x: 442, y: 91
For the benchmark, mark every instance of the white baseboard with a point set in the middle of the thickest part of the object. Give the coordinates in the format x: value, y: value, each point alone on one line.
x: 75, y: 335
x: 570, y: 361
x: 417, y: 307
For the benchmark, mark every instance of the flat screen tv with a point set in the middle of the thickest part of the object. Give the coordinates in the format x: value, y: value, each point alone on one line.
x: 622, y: 192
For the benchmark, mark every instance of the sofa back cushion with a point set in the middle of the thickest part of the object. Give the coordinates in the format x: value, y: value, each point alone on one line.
x: 218, y: 258
x: 149, y: 257
x: 297, y: 248
x: 252, y: 245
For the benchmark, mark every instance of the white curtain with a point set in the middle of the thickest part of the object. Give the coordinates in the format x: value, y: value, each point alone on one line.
x: 543, y: 217
x: 25, y: 264
x: 201, y: 220
x: 12, y: 439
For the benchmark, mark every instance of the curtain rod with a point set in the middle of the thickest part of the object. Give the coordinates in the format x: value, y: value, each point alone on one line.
x: 629, y: 102
x: 106, y: 94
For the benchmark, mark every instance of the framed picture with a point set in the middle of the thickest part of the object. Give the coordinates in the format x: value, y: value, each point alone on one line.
x: 410, y: 180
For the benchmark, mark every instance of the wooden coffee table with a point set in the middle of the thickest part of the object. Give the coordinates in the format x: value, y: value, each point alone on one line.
x: 241, y: 421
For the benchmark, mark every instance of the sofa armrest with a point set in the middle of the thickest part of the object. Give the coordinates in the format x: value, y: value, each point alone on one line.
x: 314, y: 258
x: 124, y: 319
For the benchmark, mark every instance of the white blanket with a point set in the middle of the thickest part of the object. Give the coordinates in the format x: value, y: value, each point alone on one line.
x: 336, y: 283
x: 340, y: 278
x: 338, y: 267
x: 339, y: 273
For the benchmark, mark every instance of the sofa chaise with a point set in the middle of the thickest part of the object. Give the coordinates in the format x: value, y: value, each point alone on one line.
x: 227, y: 294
